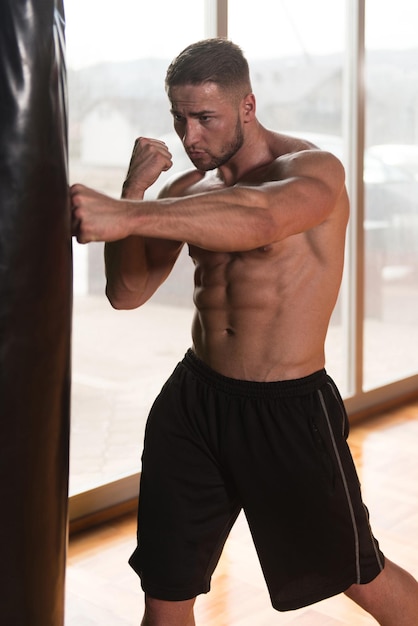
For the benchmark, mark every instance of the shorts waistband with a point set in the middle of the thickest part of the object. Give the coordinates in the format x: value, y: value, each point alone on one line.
x: 249, y: 388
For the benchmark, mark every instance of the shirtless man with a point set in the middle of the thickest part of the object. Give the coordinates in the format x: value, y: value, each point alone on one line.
x: 249, y: 419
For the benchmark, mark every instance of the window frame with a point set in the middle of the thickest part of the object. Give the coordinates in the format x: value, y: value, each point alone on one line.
x: 120, y: 495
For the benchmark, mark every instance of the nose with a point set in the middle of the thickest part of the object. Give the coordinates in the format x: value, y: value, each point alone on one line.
x: 191, y: 133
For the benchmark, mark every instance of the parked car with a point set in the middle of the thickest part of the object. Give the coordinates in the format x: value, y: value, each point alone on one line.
x: 403, y: 156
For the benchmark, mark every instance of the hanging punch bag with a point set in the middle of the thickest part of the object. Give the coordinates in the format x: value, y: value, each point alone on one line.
x: 35, y: 313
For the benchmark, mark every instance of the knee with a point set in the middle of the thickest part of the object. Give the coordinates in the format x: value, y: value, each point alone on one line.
x: 393, y: 592
x: 369, y: 596
x: 357, y: 593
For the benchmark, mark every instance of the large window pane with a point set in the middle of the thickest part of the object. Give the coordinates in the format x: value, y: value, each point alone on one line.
x: 117, y: 55
x: 391, y: 192
x: 296, y: 53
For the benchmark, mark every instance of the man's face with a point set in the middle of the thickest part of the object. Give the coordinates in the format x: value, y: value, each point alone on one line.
x: 207, y: 120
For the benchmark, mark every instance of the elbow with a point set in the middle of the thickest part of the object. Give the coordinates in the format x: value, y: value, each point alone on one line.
x: 126, y: 301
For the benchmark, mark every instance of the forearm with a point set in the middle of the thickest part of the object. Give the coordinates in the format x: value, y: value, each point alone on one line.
x: 219, y: 221
x: 126, y: 272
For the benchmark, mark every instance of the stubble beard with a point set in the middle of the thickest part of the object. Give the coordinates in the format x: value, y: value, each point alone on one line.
x: 228, y: 151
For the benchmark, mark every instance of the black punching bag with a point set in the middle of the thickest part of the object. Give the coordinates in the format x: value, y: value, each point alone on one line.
x: 35, y: 313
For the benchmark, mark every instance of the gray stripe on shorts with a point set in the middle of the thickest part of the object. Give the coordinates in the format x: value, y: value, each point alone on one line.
x: 376, y: 551
x: 347, y: 491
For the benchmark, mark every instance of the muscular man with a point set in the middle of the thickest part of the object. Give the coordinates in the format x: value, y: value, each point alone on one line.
x: 249, y: 419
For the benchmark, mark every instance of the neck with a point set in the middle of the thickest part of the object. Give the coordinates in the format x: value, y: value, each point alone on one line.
x: 254, y: 153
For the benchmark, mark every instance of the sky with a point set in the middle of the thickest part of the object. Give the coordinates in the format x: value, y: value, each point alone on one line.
x: 99, y: 30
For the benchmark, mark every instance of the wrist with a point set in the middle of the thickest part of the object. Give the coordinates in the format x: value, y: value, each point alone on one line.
x: 132, y: 192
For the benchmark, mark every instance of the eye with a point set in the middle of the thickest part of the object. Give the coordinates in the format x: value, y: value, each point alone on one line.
x: 177, y: 117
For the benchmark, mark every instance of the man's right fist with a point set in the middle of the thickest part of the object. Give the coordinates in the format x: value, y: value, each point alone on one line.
x: 149, y: 158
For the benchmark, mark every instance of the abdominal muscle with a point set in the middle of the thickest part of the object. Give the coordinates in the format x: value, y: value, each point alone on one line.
x: 261, y: 315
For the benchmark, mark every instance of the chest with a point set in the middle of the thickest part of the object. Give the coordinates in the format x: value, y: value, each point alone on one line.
x: 265, y: 264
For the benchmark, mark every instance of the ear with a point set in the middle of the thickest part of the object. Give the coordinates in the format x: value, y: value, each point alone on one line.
x: 248, y: 108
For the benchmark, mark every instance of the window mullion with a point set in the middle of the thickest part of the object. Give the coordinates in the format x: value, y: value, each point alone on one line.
x: 216, y: 18
x: 354, y: 131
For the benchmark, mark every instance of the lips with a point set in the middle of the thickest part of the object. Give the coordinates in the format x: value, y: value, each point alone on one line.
x: 195, y: 154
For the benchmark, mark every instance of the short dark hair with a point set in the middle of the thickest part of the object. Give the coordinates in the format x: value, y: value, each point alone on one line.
x: 214, y: 60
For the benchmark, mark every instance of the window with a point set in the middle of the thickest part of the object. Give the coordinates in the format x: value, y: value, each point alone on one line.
x: 306, y: 65
x: 391, y: 193
x: 117, y: 55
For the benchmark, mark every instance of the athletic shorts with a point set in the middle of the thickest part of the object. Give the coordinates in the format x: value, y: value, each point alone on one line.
x: 214, y: 446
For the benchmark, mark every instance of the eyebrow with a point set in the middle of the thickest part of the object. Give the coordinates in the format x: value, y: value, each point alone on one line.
x: 194, y: 113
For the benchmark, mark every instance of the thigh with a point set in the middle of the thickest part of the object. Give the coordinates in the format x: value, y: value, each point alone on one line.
x: 302, y: 499
x: 185, y: 507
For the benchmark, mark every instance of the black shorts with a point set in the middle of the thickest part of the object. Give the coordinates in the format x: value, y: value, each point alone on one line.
x: 214, y: 446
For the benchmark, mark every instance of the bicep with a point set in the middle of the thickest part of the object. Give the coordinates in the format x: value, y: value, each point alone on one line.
x: 307, y: 195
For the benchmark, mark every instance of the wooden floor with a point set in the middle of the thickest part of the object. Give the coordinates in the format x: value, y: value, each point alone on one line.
x: 102, y: 589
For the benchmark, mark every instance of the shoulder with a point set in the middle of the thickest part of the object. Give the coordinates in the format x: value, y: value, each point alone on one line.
x: 306, y: 167
x: 312, y: 162
x: 294, y: 158
x: 180, y: 183
x: 320, y: 173
x: 317, y: 173
x: 299, y: 149
x: 297, y: 157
